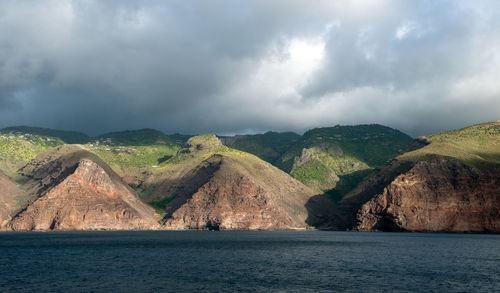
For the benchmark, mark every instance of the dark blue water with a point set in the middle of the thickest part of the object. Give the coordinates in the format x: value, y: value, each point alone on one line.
x: 248, y: 261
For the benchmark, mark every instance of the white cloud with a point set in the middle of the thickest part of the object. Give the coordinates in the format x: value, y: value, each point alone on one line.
x: 289, y: 65
x: 403, y: 30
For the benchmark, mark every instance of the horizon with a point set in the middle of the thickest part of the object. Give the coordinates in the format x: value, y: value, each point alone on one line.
x: 238, y: 134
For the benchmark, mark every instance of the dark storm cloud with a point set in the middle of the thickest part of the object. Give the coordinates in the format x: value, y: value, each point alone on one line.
x: 230, y: 66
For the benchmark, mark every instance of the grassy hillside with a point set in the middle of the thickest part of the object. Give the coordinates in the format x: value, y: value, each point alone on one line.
x: 65, y: 136
x: 269, y: 146
x: 144, y: 136
x: 176, y: 172
x: 335, y: 159
x: 196, y: 149
x: 330, y: 159
x: 17, y: 149
x: 128, y: 152
x: 130, y: 158
x: 476, y: 145
x: 373, y: 144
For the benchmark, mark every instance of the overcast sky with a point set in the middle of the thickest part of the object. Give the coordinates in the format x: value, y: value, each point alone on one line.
x: 249, y: 66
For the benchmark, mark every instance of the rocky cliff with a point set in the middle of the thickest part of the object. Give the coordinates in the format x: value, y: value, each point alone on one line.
x: 71, y: 189
x: 9, y: 195
x: 436, y: 195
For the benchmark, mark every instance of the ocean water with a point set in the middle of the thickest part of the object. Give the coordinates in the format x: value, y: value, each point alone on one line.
x: 223, y: 261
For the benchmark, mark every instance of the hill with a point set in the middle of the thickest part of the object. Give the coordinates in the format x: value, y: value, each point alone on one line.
x: 269, y: 146
x: 72, y: 189
x: 127, y: 152
x: 131, y: 152
x: 477, y: 146
x: 210, y: 186
x: 330, y: 160
x: 450, y: 185
x: 144, y: 136
x: 17, y: 149
x: 66, y: 136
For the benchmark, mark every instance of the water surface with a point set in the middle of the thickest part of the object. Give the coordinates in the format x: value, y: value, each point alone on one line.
x: 223, y: 261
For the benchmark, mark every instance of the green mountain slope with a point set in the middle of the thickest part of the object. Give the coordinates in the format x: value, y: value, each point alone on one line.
x: 127, y: 152
x: 144, y: 136
x: 330, y: 159
x: 335, y: 159
x: 65, y: 136
x: 133, y: 151
x: 17, y: 149
x: 477, y: 146
x: 269, y: 146
x: 196, y: 149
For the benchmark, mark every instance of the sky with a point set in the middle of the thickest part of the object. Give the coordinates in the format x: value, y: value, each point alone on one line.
x: 230, y: 67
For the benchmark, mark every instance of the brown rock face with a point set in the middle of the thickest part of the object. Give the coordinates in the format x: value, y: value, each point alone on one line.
x: 9, y: 193
x: 229, y: 192
x: 438, y: 195
x: 78, y: 192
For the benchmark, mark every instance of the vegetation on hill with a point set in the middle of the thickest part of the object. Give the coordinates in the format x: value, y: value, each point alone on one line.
x: 200, y: 146
x: 269, y: 146
x: 145, y: 136
x: 65, y: 136
x: 127, y: 152
x: 179, y: 139
x: 331, y: 159
x: 372, y: 144
x: 325, y: 159
x: 130, y: 158
x: 18, y: 149
x: 477, y: 145
x: 343, y: 155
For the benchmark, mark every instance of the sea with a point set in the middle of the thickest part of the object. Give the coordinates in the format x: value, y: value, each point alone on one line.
x: 248, y: 261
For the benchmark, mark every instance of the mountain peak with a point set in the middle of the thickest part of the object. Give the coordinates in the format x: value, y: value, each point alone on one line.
x: 203, y: 142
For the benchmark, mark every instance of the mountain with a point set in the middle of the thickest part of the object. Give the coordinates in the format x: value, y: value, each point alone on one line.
x: 17, y: 149
x: 131, y: 152
x: 330, y: 160
x: 66, y: 136
x: 450, y: 185
x: 69, y: 188
x: 125, y: 151
x: 210, y: 186
x: 144, y: 136
x: 364, y: 177
x: 269, y: 146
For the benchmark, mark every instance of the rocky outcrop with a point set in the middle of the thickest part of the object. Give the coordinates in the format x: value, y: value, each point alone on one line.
x: 235, y: 192
x: 343, y: 215
x: 72, y: 189
x: 436, y: 195
x: 9, y: 199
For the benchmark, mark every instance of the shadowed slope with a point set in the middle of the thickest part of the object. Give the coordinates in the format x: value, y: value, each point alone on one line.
x: 227, y: 189
x: 437, y: 194
x: 10, y: 194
